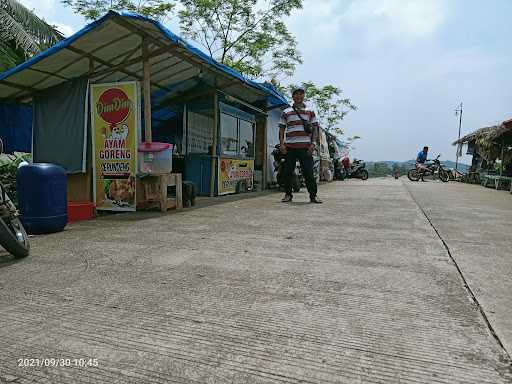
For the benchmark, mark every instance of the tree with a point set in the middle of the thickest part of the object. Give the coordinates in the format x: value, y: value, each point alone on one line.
x: 93, y: 9
x: 329, y: 104
x: 22, y: 34
x: 379, y: 169
x: 247, y: 35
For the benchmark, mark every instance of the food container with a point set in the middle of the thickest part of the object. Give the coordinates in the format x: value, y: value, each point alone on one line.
x: 155, y: 158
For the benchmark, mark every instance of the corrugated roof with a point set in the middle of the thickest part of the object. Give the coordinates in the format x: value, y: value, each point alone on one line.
x: 110, y: 49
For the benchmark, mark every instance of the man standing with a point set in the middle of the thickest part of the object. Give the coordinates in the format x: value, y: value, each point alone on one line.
x: 298, y: 133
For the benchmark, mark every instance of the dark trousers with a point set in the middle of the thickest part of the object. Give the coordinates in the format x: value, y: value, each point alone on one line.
x: 306, y: 164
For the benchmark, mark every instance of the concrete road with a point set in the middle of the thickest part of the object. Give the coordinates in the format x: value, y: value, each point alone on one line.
x: 361, y: 289
x: 475, y: 224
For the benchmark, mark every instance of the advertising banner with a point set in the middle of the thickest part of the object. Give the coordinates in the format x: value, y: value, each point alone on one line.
x: 115, y: 121
x: 235, y: 176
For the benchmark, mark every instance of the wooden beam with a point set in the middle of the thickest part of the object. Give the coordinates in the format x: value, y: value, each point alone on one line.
x: 18, y: 86
x: 147, y: 92
x: 48, y: 73
x: 169, y: 66
x: 243, y: 102
x: 135, y: 29
x: 128, y: 63
x: 91, y: 66
x: 106, y: 63
x: 122, y: 58
x: 174, y: 75
x: 159, y: 62
x: 22, y: 99
x: 76, y: 61
x: 128, y: 55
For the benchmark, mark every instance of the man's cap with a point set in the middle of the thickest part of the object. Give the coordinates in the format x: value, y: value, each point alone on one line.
x: 295, y: 90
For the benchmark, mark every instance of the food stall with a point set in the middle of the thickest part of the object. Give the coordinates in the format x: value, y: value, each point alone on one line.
x: 104, y: 96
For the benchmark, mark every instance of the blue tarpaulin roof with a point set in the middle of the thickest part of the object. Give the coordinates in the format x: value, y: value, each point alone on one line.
x: 109, y: 49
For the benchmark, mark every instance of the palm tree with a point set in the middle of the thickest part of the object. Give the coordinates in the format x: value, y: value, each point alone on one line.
x: 22, y: 34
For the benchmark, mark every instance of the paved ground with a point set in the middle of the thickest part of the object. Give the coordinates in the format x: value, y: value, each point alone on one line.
x: 358, y: 290
x: 475, y: 223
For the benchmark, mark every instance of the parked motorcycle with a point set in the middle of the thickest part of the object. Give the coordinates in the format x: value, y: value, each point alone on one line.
x: 433, y: 168
x: 13, y: 236
x: 279, y: 160
x: 358, y: 170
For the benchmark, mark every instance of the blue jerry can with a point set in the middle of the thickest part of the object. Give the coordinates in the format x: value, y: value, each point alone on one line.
x: 42, y: 197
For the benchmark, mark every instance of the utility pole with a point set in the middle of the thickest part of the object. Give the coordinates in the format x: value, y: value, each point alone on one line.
x: 458, y: 112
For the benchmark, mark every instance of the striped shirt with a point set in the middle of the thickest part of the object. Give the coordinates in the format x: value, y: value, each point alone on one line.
x: 295, y: 136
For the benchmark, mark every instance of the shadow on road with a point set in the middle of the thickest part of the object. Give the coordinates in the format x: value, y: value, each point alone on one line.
x: 7, y: 259
x: 201, y: 202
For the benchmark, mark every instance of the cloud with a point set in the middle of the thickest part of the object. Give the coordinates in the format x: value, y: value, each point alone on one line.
x: 369, y: 22
x: 397, y: 18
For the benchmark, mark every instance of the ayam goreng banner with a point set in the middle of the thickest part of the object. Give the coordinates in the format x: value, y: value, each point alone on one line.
x: 115, y: 122
x: 235, y: 175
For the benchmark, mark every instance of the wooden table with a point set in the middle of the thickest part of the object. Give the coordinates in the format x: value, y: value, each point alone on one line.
x: 152, y: 191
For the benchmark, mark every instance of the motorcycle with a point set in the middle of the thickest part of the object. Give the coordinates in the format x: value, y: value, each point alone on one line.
x: 358, y: 170
x: 13, y: 236
x: 279, y: 160
x: 434, y: 169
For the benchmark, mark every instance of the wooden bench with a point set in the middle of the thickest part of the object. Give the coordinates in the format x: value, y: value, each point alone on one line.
x: 152, y: 191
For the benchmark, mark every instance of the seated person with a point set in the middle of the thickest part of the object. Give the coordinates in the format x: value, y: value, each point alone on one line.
x: 421, y: 159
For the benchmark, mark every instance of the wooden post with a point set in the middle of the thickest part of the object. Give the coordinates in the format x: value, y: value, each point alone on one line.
x: 265, y: 154
x: 502, y: 154
x: 214, y: 145
x: 147, y: 92
x: 91, y: 66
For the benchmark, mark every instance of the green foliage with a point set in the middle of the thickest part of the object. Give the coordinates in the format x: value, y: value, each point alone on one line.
x: 93, y: 9
x: 22, y: 34
x: 8, y: 167
x: 382, y: 169
x: 9, y: 56
x: 248, y: 35
x: 379, y: 170
x: 330, y: 105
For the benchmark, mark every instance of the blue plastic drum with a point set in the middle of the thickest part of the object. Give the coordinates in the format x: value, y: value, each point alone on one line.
x: 42, y: 197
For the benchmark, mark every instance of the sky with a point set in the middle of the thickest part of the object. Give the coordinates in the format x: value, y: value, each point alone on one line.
x: 406, y: 65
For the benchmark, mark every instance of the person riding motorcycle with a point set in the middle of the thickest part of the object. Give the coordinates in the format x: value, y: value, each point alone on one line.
x: 421, y: 159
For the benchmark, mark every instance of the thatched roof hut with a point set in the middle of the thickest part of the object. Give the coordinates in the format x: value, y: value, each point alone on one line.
x: 489, y: 142
x: 478, y: 134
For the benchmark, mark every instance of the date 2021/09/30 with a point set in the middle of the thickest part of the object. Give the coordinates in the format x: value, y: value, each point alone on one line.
x: 57, y: 362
